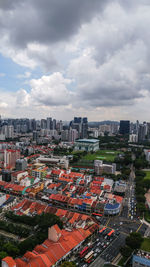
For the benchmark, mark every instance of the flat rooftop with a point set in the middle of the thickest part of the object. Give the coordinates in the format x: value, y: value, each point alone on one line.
x: 87, y: 140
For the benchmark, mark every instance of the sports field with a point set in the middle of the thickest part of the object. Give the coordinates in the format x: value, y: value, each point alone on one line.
x: 106, y: 155
x: 146, y: 244
x: 147, y: 175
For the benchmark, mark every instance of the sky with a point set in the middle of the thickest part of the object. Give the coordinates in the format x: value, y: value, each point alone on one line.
x: 66, y: 58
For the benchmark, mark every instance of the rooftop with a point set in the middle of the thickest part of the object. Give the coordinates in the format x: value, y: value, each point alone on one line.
x: 141, y: 260
x: 87, y: 140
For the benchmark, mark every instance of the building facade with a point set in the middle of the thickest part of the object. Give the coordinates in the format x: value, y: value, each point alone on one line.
x: 86, y: 145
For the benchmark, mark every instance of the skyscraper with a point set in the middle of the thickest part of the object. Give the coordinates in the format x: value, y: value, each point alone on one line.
x: 124, y: 127
x: 81, y: 125
x: 49, y: 123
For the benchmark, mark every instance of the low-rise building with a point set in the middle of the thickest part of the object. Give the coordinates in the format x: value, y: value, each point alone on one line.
x: 100, y: 168
x: 87, y: 145
x: 142, y: 259
x: 21, y: 164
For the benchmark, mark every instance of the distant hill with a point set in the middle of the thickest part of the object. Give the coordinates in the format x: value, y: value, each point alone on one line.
x: 97, y: 123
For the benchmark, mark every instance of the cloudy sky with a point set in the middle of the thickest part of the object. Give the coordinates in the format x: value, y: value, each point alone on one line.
x: 65, y: 58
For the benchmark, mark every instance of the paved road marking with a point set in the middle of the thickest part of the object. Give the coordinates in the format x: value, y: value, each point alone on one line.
x: 139, y: 227
x: 107, y: 222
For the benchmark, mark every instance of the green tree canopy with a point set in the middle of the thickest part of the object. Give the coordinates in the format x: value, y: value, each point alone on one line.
x: 134, y: 240
x: 126, y: 251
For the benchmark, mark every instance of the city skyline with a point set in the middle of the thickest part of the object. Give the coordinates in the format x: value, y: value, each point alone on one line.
x: 102, y: 73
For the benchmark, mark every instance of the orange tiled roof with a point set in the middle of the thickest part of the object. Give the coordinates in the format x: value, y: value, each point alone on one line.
x: 10, y: 261
x: 57, y: 228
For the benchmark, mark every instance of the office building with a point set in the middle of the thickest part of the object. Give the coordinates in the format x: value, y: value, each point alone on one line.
x: 124, y: 127
x: 43, y: 124
x: 73, y: 135
x: 133, y: 138
x: 142, y: 132
x: 8, y: 131
x: 81, y: 125
x: 49, y: 124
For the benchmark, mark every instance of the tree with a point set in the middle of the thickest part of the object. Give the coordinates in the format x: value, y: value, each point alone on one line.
x: 126, y: 251
x: 140, y: 198
x: 141, y: 207
x: 134, y: 240
x: 3, y: 254
x: 146, y: 183
x: 11, y: 249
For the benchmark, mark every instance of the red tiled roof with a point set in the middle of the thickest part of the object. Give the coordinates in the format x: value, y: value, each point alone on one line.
x: 10, y: 261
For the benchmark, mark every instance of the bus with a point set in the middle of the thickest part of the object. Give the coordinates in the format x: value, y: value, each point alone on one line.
x: 110, y: 233
x: 103, y: 229
x: 89, y: 256
x: 83, y: 252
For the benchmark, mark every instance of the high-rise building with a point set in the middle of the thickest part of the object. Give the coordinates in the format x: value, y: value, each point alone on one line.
x: 49, y: 123
x: 73, y: 135
x: 142, y: 132
x: 148, y: 130
x: 54, y: 124
x: 124, y: 127
x: 59, y: 126
x: 84, y: 130
x: 35, y: 136
x: 10, y: 157
x: 81, y: 125
x: 64, y: 135
x: 8, y: 131
x: 32, y: 125
x: 43, y: 124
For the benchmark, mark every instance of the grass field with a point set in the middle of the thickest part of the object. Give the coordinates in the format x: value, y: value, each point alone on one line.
x: 146, y: 244
x: 147, y: 175
x: 107, y: 155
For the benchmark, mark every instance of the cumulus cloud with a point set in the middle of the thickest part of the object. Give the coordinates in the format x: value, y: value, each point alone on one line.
x: 30, y: 38
x: 51, y: 90
x: 46, y: 21
x: 3, y: 105
x: 22, y: 98
x: 96, y: 53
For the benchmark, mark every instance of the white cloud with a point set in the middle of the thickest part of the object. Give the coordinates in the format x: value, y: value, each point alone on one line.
x: 51, y: 90
x: 2, y: 74
x: 26, y: 75
x: 3, y: 105
x: 102, y: 65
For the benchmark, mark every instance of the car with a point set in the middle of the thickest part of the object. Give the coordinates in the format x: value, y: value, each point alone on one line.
x: 97, y: 239
x: 95, y: 254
